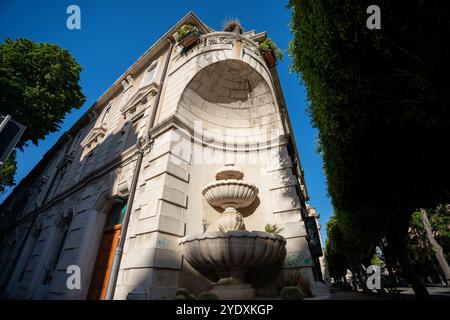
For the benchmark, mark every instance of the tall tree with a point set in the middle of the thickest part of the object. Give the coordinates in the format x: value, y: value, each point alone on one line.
x: 381, y: 102
x: 335, y: 254
x: 348, y: 249
x: 444, y: 268
x: 440, y: 224
x: 419, y: 247
x: 39, y: 85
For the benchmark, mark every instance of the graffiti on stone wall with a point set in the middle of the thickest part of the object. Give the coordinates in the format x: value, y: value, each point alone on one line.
x: 297, y: 260
x: 163, y: 243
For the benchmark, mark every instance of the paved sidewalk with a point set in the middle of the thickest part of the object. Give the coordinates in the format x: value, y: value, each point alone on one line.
x: 437, y: 293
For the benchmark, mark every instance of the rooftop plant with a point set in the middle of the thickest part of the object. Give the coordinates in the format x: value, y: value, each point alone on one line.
x: 231, y: 24
x: 185, y: 30
x: 268, y: 46
x: 272, y: 228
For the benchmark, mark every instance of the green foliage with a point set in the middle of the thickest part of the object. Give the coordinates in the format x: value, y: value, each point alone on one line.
x: 207, y: 296
x: 180, y: 297
x: 335, y: 252
x: 7, y: 172
x: 291, y: 293
x: 231, y: 24
x: 347, y: 246
x: 337, y: 263
x: 182, y: 292
x: 420, y: 249
x: 39, y: 84
x: 381, y: 103
x: 295, y: 279
x: 269, y: 46
x: 290, y: 278
x: 305, y: 286
x: 185, y: 30
x: 440, y: 223
x: 272, y: 228
x: 376, y: 261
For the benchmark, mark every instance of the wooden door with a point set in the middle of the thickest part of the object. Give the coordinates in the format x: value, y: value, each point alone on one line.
x: 105, y: 256
x: 102, y: 269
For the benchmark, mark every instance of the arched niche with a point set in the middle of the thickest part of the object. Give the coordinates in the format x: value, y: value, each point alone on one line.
x: 231, y: 98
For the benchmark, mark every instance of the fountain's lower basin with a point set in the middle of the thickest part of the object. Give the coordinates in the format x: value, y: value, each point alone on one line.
x: 231, y: 254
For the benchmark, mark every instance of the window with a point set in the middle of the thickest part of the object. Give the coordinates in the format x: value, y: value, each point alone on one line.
x: 105, y: 114
x: 133, y: 133
x: 61, y: 238
x: 58, y: 180
x: 127, y: 82
x: 30, y: 249
x: 124, y: 99
x: 74, y: 142
x: 149, y: 75
x: 88, y: 163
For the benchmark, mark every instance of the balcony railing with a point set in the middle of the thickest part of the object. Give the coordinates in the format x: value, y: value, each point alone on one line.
x: 222, y: 38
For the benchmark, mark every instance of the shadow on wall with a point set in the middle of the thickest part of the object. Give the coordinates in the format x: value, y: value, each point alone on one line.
x: 40, y: 272
x: 84, y: 166
x: 286, y: 157
x: 247, y: 211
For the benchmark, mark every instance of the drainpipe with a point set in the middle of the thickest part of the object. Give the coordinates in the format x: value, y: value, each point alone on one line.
x: 119, y: 249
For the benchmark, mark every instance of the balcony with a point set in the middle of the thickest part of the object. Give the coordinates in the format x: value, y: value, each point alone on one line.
x: 236, y: 45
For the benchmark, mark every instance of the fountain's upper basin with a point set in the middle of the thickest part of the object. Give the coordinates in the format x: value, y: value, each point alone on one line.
x: 230, y: 193
x: 233, y: 249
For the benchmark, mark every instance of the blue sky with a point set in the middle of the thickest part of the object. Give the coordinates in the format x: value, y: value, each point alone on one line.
x: 115, y: 33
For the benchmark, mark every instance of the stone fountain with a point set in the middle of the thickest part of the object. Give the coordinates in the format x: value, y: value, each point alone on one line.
x: 232, y: 250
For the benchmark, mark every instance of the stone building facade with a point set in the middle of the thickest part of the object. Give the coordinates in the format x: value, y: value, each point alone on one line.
x: 187, y: 113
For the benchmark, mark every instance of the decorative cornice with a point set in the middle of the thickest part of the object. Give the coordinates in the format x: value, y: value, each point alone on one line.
x: 139, y: 98
x: 68, y: 158
x: 94, y: 136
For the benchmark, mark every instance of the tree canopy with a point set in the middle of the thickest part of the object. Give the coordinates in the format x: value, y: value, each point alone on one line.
x: 39, y: 85
x: 440, y: 223
x: 7, y: 172
x: 420, y: 249
x: 336, y: 259
x: 381, y: 103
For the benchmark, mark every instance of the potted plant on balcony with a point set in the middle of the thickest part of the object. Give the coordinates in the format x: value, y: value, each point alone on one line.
x: 270, y: 52
x: 187, y: 36
x: 233, y: 25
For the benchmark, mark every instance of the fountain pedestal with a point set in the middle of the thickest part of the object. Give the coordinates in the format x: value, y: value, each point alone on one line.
x: 234, y: 291
x: 232, y: 285
x: 231, y: 254
x: 232, y: 251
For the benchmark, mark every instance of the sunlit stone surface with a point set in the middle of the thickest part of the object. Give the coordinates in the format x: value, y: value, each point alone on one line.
x: 221, y: 165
